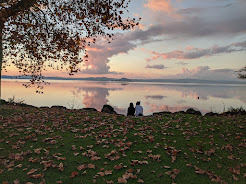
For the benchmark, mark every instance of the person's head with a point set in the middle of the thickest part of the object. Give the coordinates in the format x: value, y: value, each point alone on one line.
x: 131, y: 104
x: 138, y: 103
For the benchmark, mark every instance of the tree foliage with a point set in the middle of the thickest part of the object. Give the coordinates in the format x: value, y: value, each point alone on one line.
x: 54, y: 33
x: 242, y: 73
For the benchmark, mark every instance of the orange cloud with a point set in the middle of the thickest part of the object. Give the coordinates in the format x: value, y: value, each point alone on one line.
x: 93, y: 49
x: 160, y: 5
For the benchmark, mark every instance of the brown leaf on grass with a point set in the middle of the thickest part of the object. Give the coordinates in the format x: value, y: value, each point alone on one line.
x: 109, y: 182
x: 31, y: 171
x: 37, y: 151
x: 128, y: 175
x: 59, y: 182
x: 90, y: 146
x: 130, y: 170
x: 199, y: 171
x: 61, y: 167
x: 168, y: 172
x: 189, y: 165
x: 19, y: 166
x: 36, y: 176
x: 118, y: 167
x: 81, y: 167
x: 234, y: 178
x: 235, y: 170
x: 81, y: 148
x: 61, y: 158
x: 33, y: 160
x: 91, y: 166
x: 74, y: 147
x: 84, y: 172
x: 95, y: 158
x: 230, y: 157
x: 140, y: 181
x: 228, y: 147
x: 75, y: 154
x: 101, y: 173
x: 243, y: 165
x: 1, y: 171
x: 176, y: 171
x: 173, y: 176
x: 16, y: 182
x: 219, y: 166
x: 107, y: 172
x: 73, y: 174
x: 166, y: 167
x: 173, y: 158
x: 43, y: 181
x: 122, y: 180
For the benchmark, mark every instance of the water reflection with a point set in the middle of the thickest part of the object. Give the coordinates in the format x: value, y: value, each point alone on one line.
x: 153, y: 97
x: 94, y: 97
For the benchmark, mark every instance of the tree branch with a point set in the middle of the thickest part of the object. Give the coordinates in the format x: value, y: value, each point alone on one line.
x: 15, y: 9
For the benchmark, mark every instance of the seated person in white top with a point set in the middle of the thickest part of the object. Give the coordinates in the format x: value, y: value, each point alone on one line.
x: 139, y: 109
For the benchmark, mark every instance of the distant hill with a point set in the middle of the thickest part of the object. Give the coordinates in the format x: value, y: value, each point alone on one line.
x: 179, y: 81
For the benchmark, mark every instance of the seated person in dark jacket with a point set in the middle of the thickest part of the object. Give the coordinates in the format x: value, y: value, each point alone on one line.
x: 131, y: 110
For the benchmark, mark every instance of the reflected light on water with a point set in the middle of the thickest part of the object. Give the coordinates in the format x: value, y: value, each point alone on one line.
x: 153, y: 97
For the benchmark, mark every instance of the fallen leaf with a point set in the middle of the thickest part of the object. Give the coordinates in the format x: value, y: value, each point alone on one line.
x: 61, y: 167
x: 36, y: 176
x: 140, y: 181
x: 16, y: 181
x: 31, y: 171
x: 235, y: 178
x: 91, y: 166
x: 81, y: 167
x: 107, y: 172
x: 122, y: 180
x: 73, y: 174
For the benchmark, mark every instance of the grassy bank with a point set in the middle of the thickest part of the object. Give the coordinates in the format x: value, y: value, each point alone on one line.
x: 75, y: 146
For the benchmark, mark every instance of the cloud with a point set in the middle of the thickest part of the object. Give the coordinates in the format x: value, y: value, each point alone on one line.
x: 199, y: 22
x: 181, y: 63
x: 160, y: 108
x: 205, y: 73
x: 155, y: 97
x: 100, y: 53
x: 191, y: 26
x: 156, y: 66
x: 163, y: 5
x: 94, y: 97
x: 194, y: 53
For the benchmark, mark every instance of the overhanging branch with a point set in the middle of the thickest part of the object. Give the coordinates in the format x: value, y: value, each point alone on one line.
x: 15, y: 9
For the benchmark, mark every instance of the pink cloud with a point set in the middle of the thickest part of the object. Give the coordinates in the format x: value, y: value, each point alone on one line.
x: 101, y: 52
x: 156, y: 108
x: 160, y: 5
x: 198, y: 69
x: 194, y: 53
x: 160, y: 67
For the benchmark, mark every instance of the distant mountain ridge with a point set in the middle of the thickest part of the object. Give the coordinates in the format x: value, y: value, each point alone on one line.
x: 133, y: 80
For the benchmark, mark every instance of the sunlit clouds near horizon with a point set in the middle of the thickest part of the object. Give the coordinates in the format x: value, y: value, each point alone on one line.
x: 175, y: 39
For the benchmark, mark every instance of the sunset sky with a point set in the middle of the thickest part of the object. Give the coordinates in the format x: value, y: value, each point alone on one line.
x: 176, y: 39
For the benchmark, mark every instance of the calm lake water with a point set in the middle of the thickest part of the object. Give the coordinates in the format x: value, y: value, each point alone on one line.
x: 154, y: 97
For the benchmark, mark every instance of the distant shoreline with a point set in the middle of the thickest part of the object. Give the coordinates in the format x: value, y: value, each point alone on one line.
x: 126, y: 80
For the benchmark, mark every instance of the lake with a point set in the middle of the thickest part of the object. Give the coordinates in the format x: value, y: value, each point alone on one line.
x: 154, y: 97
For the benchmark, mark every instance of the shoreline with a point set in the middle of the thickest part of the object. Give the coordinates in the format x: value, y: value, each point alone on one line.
x: 191, y: 111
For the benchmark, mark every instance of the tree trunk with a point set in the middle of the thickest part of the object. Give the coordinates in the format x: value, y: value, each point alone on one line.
x: 1, y: 59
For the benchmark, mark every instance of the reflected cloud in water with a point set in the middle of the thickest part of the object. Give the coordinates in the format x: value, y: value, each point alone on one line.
x: 94, y: 97
x: 153, y: 97
x: 156, y: 97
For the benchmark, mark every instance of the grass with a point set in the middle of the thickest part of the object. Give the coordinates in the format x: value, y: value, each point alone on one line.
x: 175, y: 148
